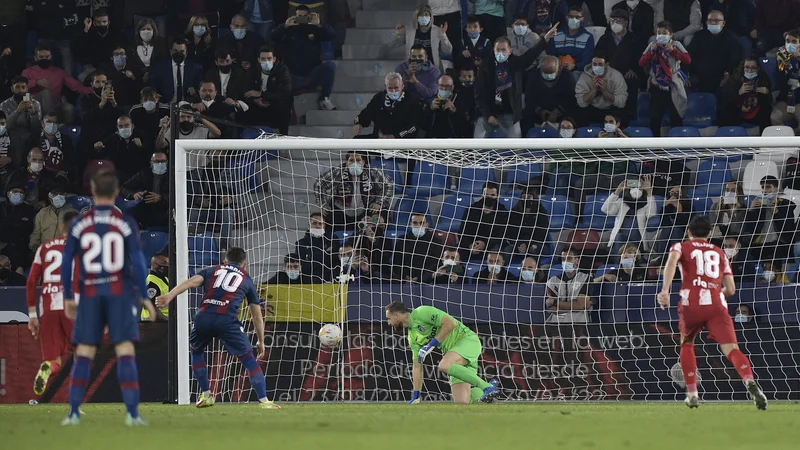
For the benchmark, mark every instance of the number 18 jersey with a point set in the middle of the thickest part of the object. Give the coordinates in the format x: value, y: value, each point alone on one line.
x: 702, y: 265
x: 226, y: 288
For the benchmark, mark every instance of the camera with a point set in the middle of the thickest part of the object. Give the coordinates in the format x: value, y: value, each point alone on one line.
x: 303, y: 20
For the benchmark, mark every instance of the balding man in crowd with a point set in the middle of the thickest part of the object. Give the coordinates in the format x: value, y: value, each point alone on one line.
x: 446, y: 114
x: 549, y: 95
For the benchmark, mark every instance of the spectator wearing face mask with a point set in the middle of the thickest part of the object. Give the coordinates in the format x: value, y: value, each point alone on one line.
x: 45, y: 83
x: 495, y: 271
x: 450, y: 270
x: 574, y: 44
x: 149, y: 48
x: 746, y: 97
x: 484, y: 225
x: 611, y: 128
x: 47, y: 221
x: 567, y: 298
x: 7, y: 276
x: 744, y: 316
x: 189, y: 128
x: 474, y: 47
x: 292, y: 272
x: 675, y: 216
x: 600, y: 90
x: 378, y: 247
x: 549, y: 95
x: 210, y: 104
x: 542, y: 14
x: 466, y: 90
x: 316, y: 250
x: 346, y: 193
x: 126, y: 79
x: 148, y: 113
x: 201, y: 43
x: 242, y: 43
x: 157, y: 285
x: 628, y: 270
x: 431, y: 37
x: 96, y: 43
x: 641, y: 20
x: 623, y: 49
x: 773, y: 274
x: 59, y: 152
x: 416, y: 253
x: 16, y: 226
x: 522, y: 38
x: 447, y: 114
x: 177, y: 78
x: 354, y: 263
x: 35, y: 179
x: 128, y: 149
x: 632, y: 205
x: 770, y: 223
x: 744, y: 269
x: 530, y: 273
x: 715, y: 53
x: 100, y: 112
x: 57, y: 22
x: 527, y: 226
x: 230, y: 80
x: 787, y: 81
x: 150, y: 186
x: 728, y: 212
x: 419, y: 75
x: 393, y: 112
x: 269, y: 94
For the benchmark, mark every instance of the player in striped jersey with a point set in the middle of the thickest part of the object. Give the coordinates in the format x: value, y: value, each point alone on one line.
x: 111, y: 285
x: 52, y: 327
x: 226, y: 288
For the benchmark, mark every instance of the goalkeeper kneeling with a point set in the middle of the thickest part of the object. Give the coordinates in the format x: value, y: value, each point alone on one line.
x: 429, y: 328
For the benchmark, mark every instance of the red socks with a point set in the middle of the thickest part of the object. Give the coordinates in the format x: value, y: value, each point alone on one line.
x: 740, y: 363
x: 689, y: 367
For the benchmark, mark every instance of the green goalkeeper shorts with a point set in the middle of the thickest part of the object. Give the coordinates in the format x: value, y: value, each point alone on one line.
x: 469, y: 347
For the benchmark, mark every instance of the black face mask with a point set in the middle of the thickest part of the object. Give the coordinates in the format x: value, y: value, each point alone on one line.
x: 490, y: 202
x: 162, y: 271
x: 5, y: 272
x: 187, y: 126
x: 224, y: 69
x: 178, y: 57
x: 102, y: 29
x: 43, y: 63
x: 18, y: 97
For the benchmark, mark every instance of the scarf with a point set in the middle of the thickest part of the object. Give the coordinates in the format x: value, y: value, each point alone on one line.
x: 662, y: 73
x: 389, y: 104
x: 788, y: 64
x: 748, y: 103
x: 502, y: 78
x: 52, y: 161
x: 346, y: 192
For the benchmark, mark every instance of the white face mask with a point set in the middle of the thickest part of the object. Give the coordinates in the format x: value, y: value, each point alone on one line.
x: 731, y: 252
x: 449, y: 262
x: 568, y: 267
x: 729, y: 198
x: 636, y: 193
x: 617, y: 28
x: 609, y: 128
x: 632, y: 4
x: 769, y: 275
x: 520, y: 30
x: 355, y: 169
x: 316, y: 232
x: 418, y: 232
x: 37, y: 167
x: 494, y: 268
x: 566, y: 133
x: 125, y: 133
x: 149, y: 106
x: 146, y: 35
x: 293, y: 274
x: 527, y: 275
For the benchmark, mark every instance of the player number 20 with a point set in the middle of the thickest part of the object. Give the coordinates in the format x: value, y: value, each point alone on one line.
x: 110, y: 248
x: 229, y: 281
x: 707, y: 263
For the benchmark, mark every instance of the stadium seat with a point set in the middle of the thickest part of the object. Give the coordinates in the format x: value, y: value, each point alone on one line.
x: 701, y: 110
x: 79, y: 202
x: 731, y: 132
x: 604, y: 269
x: 522, y: 174
x: 394, y: 233
x: 401, y: 211
x: 754, y: 171
x: 655, y: 221
x: 92, y: 167
x: 791, y: 272
x: 509, y: 201
x: 453, y: 209
x: 446, y: 238
x: 127, y: 204
x: 684, y: 132
x: 555, y: 271
x: 542, y: 132
x: 770, y: 65
x: 583, y: 239
x: 703, y: 196
x: 390, y: 168
x: 778, y: 130
x: 429, y: 179
x: 514, y: 269
x: 642, y: 110
x: 713, y: 171
x: 597, y: 32
x: 343, y: 236
x: 560, y: 211
x: 588, y: 132
x: 471, y: 269
x: 593, y: 216
x: 74, y: 133
x: 638, y: 132
x: 471, y: 181
x: 152, y: 243
x: 254, y: 132
x: 203, y: 250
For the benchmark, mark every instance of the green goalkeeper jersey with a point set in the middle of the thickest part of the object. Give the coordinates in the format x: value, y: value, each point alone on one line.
x: 424, y: 324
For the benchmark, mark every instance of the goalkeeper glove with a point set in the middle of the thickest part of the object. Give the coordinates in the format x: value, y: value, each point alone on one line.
x: 415, y: 398
x: 423, y: 352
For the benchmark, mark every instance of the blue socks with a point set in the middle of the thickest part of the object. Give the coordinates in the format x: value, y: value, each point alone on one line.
x: 128, y: 377
x: 257, y: 379
x: 78, y: 383
x: 200, y: 369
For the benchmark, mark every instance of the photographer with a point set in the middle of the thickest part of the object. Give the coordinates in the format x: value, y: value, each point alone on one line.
x: 419, y: 74
x: 446, y: 115
x: 151, y: 188
x: 100, y: 113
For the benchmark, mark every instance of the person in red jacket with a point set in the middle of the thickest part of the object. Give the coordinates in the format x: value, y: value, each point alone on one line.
x: 46, y: 81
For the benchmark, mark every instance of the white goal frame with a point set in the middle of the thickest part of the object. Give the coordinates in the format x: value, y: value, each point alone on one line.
x: 783, y: 143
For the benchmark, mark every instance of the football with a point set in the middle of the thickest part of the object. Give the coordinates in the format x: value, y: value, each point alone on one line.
x: 330, y: 335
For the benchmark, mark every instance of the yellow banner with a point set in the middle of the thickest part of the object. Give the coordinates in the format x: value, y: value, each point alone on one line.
x: 303, y: 303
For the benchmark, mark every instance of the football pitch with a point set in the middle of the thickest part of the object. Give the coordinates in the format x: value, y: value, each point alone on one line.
x: 394, y: 426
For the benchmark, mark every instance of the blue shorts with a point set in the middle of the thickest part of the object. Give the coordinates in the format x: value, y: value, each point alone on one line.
x: 229, y: 330
x: 119, y: 313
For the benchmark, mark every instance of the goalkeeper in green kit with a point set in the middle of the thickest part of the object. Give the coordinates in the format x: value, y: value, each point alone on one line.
x: 428, y: 328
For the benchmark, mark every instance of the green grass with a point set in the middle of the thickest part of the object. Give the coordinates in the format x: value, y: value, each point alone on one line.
x: 397, y: 426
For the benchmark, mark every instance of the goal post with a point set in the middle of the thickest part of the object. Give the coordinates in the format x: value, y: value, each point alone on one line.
x: 260, y: 194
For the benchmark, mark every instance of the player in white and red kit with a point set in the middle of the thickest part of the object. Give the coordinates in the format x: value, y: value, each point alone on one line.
x: 52, y: 327
x: 706, y: 281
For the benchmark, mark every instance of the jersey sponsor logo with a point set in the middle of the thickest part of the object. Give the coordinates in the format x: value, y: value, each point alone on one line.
x: 215, y: 302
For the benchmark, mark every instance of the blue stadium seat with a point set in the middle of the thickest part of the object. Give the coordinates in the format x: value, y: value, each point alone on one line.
x: 655, y: 221
x: 604, y: 269
x: 713, y: 171
x: 509, y: 201
x: 731, y: 132
x: 429, y: 179
x: 638, y: 132
x: 593, y: 216
x: 514, y: 269
x: 791, y: 272
x: 471, y: 181
x: 74, y: 133
x: 402, y: 210
x: 770, y: 65
x: 203, y: 250
x: 701, y: 110
x: 343, y: 236
x: 560, y: 211
x: 522, y: 174
x: 79, y: 202
x: 588, y: 132
x: 254, y: 132
x: 152, y: 243
x: 495, y: 133
x: 394, y: 233
x: 127, y: 204
x: 453, y: 209
x: 391, y: 169
x: 471, y: 269
x: 555, y: 270
x: 642, y: 110
x: 703, y: 196
x: 542, y: 132
x: 684, y: 132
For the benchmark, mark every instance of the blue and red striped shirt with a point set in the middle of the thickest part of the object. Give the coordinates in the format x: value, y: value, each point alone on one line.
x: 227, y: 287
x: 109, y: 254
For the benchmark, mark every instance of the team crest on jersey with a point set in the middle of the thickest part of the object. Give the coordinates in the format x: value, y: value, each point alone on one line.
x: 420, y: 328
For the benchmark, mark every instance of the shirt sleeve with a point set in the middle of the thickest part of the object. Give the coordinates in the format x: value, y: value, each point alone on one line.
x: 33, y: 278
x: 726, y: 270
x: 251, y: 294
x: 68, y: 256
x: 677, y: 248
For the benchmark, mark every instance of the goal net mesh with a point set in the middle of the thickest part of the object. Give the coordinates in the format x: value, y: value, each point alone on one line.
x: 492, y: 236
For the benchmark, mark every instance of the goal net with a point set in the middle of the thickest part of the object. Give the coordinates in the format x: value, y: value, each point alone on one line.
x: 550, y: 249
